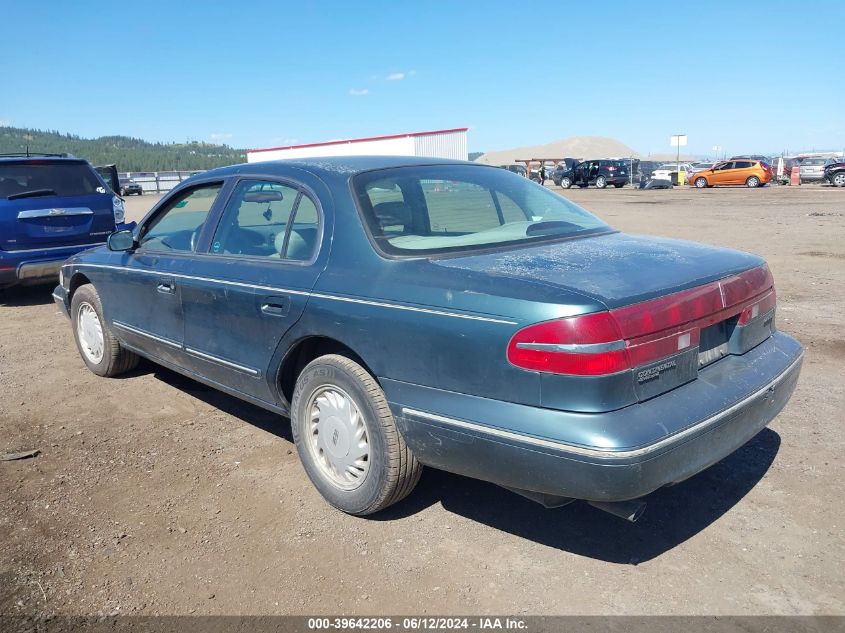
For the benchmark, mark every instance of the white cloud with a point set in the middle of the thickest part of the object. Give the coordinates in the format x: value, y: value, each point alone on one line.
x: 358, y: 92
x: 220, y: 136
x: 395, y: 77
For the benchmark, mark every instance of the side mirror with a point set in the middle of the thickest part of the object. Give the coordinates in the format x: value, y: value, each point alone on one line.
x: 121, y: 241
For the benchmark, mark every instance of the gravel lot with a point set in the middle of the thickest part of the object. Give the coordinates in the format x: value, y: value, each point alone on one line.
x: 156, y: 495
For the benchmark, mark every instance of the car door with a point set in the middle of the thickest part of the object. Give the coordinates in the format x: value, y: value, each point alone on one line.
x: 252, y: 284
x: 741, y: 171
x: 143, y: 300
x: 722, y: 173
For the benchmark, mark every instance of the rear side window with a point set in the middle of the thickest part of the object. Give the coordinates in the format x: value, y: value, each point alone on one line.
x: 176, y: 227
x: 743, y: 164
x: 267, y: 219
x: 45, y: 179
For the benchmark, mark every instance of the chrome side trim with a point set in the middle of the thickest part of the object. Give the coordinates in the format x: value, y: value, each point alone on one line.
x: 318, y: 295
x: 221, y: 361
x: 575, y: 348
x: 53, y: 213
x: 605, y: 453
x: 57, y: 248
x: 160, y: 339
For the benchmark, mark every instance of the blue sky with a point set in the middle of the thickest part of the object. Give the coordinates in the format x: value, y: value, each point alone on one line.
x: 751, y: 77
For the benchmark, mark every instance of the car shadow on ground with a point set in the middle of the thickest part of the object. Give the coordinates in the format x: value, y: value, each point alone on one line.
x: 263, y: 419
x: 673, y: 514
x: 24, y: 296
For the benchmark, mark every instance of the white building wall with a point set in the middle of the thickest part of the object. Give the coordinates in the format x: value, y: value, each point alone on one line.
x: 442, y: 145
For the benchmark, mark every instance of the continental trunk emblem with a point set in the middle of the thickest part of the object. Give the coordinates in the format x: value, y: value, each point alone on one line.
x: 654, y: 372
x: 57, y: 211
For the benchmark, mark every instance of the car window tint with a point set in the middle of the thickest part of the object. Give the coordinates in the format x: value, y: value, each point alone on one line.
x: 176, y: 227
x: 743, y: 164
x: 455, y: 207
x: 452, y: 208
x: 267, y: 219
x: 255, y: 219
x: 56, y: 178
x: 511, y: 211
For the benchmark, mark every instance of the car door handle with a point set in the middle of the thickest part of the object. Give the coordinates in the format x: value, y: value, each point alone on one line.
x: 275, y: 306
x: 166, y: 286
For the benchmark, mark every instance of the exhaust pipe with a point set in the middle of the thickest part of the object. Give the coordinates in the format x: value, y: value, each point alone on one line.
x: 628, y: 510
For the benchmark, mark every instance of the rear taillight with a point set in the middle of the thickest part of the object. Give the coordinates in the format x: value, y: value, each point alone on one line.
x: 587, y: 345
x: 762, y: 305
x: 609, y: 342
x: 118, y: 209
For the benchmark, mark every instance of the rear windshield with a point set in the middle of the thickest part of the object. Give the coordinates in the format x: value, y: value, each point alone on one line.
x: 45, y: 179
x: 447, y: 208
x: 813, y: 161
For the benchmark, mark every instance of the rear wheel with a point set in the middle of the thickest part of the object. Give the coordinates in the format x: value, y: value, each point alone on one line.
x: 565, y: 182
x: 839, y: 179
x: 752, y: 182
x: 601, y: 182
x: 347, y: 438
x: 100, y: 350
x: 701, y: 183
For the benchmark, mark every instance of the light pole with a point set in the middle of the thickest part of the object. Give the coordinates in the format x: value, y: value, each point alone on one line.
x: 678, y: 140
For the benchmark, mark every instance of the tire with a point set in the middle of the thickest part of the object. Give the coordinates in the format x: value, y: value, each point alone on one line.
x: 566, y: 183
x: 112, y: 359
x: 752, y: 182
x: 700, y: 183
x: 601, y: 182
x: 838, y: 179
x: 389, y: 470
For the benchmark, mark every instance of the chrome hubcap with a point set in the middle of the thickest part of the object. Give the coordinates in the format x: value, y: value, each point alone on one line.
x: 700, y: 183
x: 337, y: 437
x: 89, y: 331
x: 839, y: 180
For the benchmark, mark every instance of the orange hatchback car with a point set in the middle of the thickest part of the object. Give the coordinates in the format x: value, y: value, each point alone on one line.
x: 751, y: 173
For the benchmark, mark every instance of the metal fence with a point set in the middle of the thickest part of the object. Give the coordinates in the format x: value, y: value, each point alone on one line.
x: 157, y: 181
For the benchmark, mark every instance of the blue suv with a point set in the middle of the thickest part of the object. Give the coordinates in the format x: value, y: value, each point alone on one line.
x: 51, y: 207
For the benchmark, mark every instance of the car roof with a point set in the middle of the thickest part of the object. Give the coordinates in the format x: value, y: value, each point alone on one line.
x: 39, y: 158
x: 332, y: 167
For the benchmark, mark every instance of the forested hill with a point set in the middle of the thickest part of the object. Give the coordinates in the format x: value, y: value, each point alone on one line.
x: 129, y: 154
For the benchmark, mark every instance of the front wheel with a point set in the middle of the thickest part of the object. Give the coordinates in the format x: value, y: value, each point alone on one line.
x: 100, y: 350
x: 700, y: 183
x: 347, y: 438
x: 839, y: 179
x: 601, y: 182
x: 566, y: 183
x: 752, y: 182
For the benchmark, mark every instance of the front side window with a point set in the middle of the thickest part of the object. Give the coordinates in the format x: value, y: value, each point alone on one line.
x: 267, y: 219
x: 176, y: 228
x: 449, y: 208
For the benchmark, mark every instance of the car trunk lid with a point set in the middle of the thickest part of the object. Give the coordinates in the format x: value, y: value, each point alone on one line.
x: 674, y: 309
x: 616, y: 269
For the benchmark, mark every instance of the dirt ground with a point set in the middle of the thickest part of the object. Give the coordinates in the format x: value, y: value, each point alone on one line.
x: 155, y: 495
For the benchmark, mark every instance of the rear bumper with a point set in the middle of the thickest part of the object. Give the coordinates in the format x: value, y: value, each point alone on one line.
x: 35, y: 266
x: 611, y: 456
